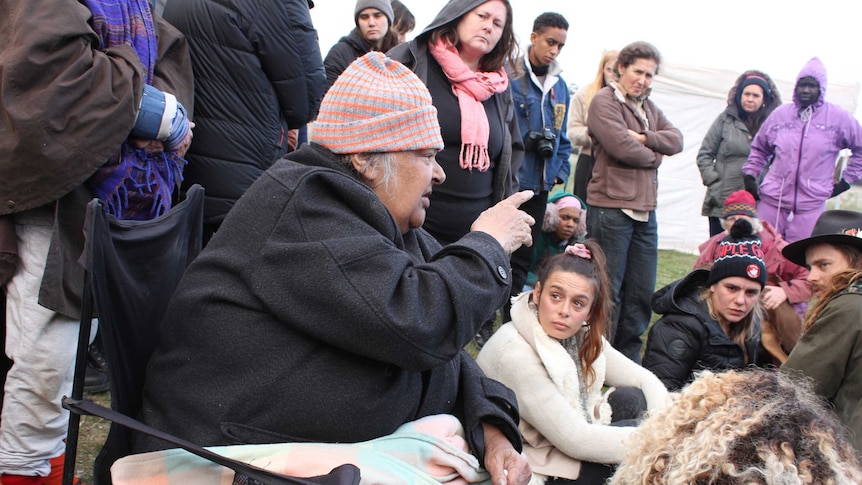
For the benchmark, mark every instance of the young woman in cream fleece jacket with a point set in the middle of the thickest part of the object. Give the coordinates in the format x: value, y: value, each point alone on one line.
x: 555, y: 356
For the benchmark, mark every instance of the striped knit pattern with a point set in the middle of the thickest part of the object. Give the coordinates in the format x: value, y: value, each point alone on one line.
x: 740, y: 209
x: 740, y: 203
x: 377, y: 105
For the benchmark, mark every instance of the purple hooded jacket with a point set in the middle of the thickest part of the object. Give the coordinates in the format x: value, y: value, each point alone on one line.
x: 800, y: 178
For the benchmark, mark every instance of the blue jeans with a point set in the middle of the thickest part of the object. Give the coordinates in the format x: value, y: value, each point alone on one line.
x: 631, y: 248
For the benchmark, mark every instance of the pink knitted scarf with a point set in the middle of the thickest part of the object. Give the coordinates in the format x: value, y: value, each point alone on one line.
x: 471, y: 88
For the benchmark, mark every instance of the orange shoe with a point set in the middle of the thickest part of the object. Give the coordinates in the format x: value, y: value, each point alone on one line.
x: 56, y: 475
x: 54, y: 478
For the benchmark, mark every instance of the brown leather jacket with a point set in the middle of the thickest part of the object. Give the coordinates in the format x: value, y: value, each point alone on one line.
x: 66, y: 105
x: 66, y: 108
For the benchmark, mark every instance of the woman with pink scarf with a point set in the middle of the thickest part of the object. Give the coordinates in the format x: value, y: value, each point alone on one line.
x: 460, y: 57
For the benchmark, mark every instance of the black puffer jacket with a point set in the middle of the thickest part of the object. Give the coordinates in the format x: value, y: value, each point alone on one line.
x: 345, y: 51
x: 258, y: 72
x: 686, y: 339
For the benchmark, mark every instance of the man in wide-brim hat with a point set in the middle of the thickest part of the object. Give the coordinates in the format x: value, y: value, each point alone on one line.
x: 830, y: 349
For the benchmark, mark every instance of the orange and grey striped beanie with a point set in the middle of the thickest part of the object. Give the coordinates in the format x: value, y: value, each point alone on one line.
x: 377, y: 105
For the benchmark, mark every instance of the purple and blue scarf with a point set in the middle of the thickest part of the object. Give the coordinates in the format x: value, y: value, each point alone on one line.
x: 134, y: 184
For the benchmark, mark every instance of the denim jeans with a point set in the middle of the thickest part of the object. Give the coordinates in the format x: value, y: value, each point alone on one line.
x: 631, y: 248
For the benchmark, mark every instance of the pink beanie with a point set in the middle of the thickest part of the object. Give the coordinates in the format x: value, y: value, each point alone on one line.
x: 377, y: 105
x: 568, y: 201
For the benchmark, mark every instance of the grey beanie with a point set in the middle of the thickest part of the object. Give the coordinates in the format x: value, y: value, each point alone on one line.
x: 383, y: 5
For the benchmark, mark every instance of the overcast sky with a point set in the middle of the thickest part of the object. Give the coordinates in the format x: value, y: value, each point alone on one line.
x: 777, y: 37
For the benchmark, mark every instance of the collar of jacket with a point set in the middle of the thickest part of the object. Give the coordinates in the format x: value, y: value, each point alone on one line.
x: 554, y: 69
x: 622, y: 96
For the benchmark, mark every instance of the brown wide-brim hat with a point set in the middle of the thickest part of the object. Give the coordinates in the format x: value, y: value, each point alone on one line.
x: 835, y: 227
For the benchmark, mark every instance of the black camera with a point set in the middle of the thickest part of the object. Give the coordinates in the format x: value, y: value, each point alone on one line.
x: 542, y: 142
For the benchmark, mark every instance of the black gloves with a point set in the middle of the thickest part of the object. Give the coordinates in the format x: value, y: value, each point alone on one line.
x: 839, y: 188
x: 751, y: 185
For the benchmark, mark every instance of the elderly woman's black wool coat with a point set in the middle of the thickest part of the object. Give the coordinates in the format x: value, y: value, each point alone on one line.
x: 311, y: 317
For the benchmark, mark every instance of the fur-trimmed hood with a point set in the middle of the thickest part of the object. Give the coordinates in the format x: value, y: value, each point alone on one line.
x: 772, y: 99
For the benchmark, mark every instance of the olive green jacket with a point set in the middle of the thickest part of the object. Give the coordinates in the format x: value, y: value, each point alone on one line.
x: 830, y: 352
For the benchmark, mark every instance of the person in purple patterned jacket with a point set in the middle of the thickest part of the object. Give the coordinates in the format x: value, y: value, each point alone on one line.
x: 802, y: 139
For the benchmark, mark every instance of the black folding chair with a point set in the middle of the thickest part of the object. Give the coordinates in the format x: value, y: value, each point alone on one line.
x: 132, y: 269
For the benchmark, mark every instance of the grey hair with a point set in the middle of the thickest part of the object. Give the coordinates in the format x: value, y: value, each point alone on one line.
x: 384, y: 160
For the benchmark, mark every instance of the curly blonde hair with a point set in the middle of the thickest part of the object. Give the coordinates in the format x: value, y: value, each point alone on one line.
x: 751, y: 427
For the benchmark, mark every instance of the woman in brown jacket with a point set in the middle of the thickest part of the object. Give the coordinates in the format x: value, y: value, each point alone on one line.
x: 630, y: 136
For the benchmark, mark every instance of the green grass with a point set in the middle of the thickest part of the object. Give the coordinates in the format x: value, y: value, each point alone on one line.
x: 672, y: 265
x: 91, y: 436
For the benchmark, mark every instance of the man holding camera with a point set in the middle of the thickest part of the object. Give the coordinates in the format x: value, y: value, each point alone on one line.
x: 541, y: 100
x: 630, y: 137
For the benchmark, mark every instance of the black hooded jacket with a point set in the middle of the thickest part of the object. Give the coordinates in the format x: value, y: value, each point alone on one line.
x: 686, y: 339
x: 415, y: 55
x: 345, y: 51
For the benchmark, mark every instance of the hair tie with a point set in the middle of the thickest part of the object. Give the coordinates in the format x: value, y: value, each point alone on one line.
x: 579, y: 250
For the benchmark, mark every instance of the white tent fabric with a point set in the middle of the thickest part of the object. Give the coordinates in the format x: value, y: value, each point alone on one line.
x: 691, y: 98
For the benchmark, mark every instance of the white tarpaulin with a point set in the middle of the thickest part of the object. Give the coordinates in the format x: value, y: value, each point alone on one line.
x: 691, y: 98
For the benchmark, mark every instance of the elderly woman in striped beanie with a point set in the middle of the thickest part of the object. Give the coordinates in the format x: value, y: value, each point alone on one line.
x: 321, y: 311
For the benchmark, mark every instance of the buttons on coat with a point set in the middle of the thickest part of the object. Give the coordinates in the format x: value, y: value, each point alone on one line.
x: 503, y: 272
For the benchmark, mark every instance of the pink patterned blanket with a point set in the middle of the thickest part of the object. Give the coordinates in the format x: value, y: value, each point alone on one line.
x: 431, y: 451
